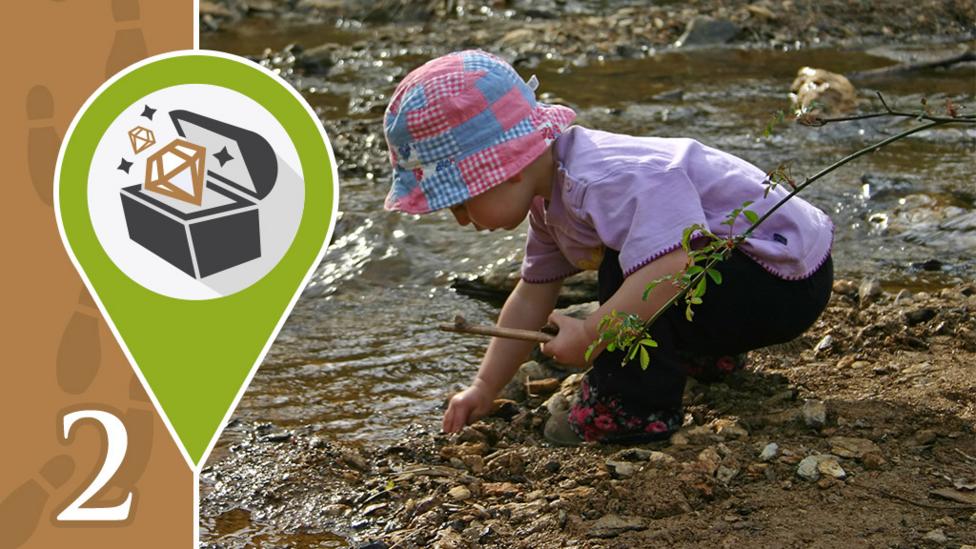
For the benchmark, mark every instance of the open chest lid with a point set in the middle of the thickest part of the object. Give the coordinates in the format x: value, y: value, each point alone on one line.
x: 237, y: 157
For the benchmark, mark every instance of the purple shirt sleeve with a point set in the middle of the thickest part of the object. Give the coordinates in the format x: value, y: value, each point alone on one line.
x: 642, y: 213
x: 543, y: 261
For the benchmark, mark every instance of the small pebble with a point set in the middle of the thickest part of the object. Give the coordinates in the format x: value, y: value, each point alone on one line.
x: 937, y: 536
x: 459, y: 493
x: 769, y: 452
x: 925, y: 437
x: 815, y: 413
x: 621, y: 469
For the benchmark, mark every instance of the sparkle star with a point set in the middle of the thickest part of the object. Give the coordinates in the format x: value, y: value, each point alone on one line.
x: 124, y: 165
x: 148, y: 112
x: 223, y: 157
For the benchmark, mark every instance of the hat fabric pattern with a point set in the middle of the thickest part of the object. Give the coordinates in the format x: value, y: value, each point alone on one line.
x: 460, y: 125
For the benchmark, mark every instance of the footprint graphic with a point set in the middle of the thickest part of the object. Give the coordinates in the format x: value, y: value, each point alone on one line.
x: 21, y: 510
x: 78, y: 362
x: 129, y: 45
x: 80, y: 352
x: 42, y: 141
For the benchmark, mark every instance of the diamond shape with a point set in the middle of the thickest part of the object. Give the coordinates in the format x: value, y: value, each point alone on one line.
x: 141, y: 139
x: 176, y: 170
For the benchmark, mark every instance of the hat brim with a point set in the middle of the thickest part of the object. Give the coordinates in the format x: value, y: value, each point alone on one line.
x: 549, y: 122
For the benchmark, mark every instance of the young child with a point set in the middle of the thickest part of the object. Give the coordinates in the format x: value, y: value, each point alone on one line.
x: 466, y: 133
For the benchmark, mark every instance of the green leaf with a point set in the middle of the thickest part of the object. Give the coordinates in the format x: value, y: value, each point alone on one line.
x: 686, y: 236
x: 716, y: 275
x: 695, y: 301
x: 689, y: 314
x: 700, y: 288
x: 390, y: 485
x: 751, y: 216
x: 648, y: 342
x: 645, y: 358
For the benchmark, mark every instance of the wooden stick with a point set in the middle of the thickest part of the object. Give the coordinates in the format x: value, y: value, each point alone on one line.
x: 461, y: 326
x: 902, y: 68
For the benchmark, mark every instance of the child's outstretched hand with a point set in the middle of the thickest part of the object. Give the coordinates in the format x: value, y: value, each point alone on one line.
x: 467, y: 407
x: 569, y: 345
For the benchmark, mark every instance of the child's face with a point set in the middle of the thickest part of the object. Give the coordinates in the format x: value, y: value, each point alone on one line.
x: 501, y: 207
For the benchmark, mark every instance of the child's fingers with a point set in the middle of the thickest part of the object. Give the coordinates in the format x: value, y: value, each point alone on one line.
x: 449, y: 418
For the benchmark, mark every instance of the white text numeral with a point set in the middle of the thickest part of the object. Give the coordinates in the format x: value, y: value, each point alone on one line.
x: 117, y: 444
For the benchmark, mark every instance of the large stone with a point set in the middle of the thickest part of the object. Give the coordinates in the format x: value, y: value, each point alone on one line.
x: 611, y: 526
x: 704, y: 31
x: 822, y: 92
x: 852, y: 447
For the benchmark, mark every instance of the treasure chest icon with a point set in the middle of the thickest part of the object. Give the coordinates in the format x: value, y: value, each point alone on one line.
x: 198, y: 208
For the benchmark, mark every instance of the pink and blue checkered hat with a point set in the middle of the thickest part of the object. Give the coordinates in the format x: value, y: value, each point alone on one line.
x: 460, y: 125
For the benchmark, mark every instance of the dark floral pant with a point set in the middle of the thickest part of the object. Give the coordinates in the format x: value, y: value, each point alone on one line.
x: 752, y: 308
x: 594, y: 418
x: 597, y: 418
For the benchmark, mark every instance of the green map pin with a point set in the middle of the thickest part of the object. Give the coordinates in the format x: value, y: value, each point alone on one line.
x: 195, y: 193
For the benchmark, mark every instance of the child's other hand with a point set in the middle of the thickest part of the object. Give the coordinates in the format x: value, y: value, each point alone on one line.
x: 569, y: 345
x: 467, y: 407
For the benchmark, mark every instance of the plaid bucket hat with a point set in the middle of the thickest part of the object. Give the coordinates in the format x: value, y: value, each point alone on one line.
x: 460, y: 125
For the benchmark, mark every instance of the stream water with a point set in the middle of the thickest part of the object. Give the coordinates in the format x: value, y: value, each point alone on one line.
x: 361, y: 359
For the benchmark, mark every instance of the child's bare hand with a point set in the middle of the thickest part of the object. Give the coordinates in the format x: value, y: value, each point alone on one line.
x: 467, y: 407
x: 569, y: 345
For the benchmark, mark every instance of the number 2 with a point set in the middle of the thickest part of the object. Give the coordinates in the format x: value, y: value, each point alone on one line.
x: 117, y: 444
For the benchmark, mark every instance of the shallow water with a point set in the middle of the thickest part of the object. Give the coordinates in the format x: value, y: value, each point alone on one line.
x: 360, y: 357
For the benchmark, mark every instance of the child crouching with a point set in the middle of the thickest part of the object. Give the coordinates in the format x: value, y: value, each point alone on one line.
x: 466, y: 133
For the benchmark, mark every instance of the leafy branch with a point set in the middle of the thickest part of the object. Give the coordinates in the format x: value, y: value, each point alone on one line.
x: 627, y: 332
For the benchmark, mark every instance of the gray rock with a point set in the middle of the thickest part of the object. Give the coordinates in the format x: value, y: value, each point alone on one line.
x: 807, y: 469
x: 869, y: 290
x: 815, y: 413
x: 703, y: 31
x: 769, y: 452
x: 725, y: 474
x: 936, y: 536
x: 611, y: 526
x: 824, y: 344
x: 318, y: 442
x: 621, y: 469
x: 812, y: 468
x: 459, y: 493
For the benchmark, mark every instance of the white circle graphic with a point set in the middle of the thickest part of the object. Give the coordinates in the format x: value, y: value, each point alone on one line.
x: 204, y: 143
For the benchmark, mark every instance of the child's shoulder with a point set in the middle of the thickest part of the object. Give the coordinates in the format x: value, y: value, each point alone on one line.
x: 588, y: 155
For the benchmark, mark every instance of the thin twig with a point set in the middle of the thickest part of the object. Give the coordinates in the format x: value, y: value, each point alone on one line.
x: 965, y: 455
x: 905, y: 499
x: 817, y: 122
x: 461, y: 326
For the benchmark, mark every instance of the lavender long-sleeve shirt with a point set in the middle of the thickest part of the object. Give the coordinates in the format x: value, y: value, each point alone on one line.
x: 637, y: 194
